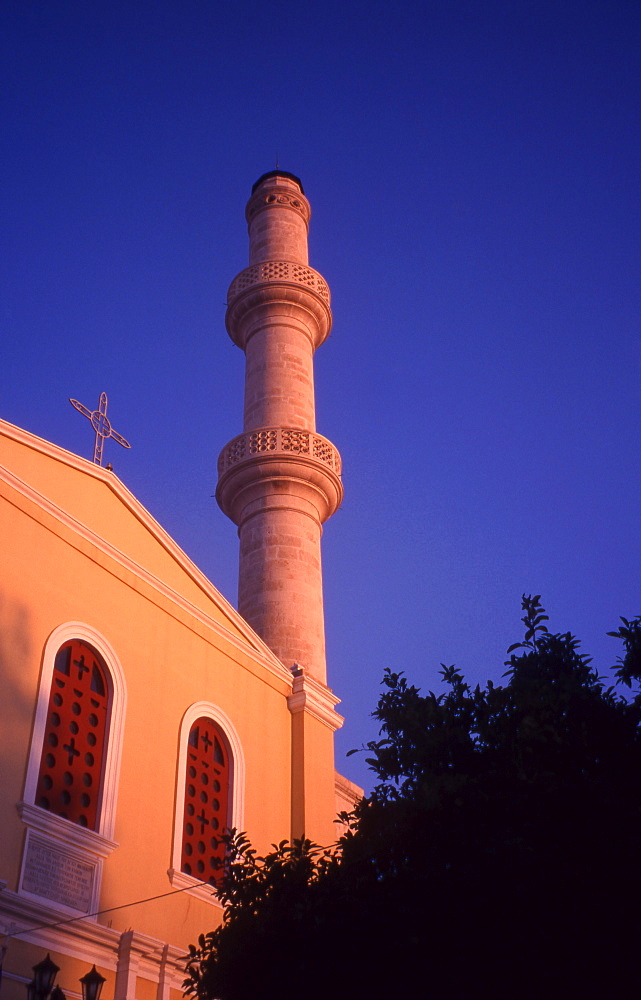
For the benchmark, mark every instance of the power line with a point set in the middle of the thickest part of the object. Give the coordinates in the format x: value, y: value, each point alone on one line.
x: 98, y: 913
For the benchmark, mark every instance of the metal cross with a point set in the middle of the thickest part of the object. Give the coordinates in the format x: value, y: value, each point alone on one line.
x: 101, y: 425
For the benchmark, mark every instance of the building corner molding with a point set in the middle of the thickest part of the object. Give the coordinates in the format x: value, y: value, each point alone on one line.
x: 312, y: 696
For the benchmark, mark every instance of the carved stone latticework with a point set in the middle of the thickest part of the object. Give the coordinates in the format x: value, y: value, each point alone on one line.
x: 278, y: 271
x: 279, y: 440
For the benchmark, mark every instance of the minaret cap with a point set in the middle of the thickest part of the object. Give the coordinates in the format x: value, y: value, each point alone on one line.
x: 278, y: 173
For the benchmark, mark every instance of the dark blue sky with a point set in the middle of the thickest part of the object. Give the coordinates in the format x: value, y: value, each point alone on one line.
x: 473, y: 169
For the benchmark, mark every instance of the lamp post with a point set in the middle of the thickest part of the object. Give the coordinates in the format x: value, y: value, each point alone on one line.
x: 44, y: 976
x: 42, y: 986
x: 92, y: 985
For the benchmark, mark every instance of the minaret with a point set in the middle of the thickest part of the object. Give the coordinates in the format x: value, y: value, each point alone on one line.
x: 279, y: 480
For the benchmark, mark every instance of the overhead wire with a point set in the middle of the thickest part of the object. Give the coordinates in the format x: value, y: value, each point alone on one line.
x: 98, y: 913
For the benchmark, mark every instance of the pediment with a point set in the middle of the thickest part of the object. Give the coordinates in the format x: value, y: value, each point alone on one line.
x: 99, y: 507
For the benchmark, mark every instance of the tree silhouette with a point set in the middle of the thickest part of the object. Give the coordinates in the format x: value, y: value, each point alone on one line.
x: 498, y: 854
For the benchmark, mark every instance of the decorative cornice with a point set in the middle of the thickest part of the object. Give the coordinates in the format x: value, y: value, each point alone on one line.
x: 87, y: 841
x: 85, y: 939
x: 311, y: 695
x: 194, y: 887
x: 30, y: 920
x: 347, y: 789
x: 265, y: 199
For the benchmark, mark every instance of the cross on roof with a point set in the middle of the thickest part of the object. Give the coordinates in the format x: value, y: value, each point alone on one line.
x: 101, y: 426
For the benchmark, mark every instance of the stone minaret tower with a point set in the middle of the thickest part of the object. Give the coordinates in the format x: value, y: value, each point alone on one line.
x: 279, y: 480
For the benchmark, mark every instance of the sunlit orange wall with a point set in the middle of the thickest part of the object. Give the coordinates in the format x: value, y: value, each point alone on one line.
x: 170, y: 660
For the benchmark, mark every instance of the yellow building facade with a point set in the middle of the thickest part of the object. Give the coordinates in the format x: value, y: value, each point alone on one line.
x: 142, y: 717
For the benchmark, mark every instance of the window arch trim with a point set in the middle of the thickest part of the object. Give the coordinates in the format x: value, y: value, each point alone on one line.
x: 118, y: 696
x: 237, y: 781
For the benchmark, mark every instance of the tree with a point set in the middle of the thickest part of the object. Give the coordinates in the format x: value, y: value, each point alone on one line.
x: 498, y: 854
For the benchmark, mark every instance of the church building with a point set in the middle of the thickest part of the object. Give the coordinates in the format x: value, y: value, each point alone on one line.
x: 143, y: 714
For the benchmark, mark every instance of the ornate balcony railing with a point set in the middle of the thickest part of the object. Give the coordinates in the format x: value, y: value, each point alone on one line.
x: 279, y: 441
x: 274, y: 271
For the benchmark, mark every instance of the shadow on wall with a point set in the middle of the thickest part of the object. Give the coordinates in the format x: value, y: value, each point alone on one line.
x: 18, y: 679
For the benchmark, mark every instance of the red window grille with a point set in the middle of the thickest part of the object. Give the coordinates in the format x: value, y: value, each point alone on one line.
x: 207, y: 787
x: 70, y: 777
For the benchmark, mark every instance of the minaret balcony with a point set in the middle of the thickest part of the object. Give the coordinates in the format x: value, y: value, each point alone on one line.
x: 270, y: 272
x: 279, y: 440
x: 275, y: 464
x: 278, y: 288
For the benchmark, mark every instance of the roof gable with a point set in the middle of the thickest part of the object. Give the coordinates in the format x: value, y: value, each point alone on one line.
x: 102, y: 507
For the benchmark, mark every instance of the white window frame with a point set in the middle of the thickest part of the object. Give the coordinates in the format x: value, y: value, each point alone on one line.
x: 236, y: 805
x: 47, y: 832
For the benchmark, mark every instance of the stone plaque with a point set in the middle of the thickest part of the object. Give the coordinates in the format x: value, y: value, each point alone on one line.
x: 57, y: 875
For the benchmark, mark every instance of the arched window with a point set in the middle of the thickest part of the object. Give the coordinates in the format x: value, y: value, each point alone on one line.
x: 207, y: 801
x: 210, y: 791
x: 71, y: 765
x: 71, y: 784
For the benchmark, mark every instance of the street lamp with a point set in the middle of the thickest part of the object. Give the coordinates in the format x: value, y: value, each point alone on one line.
x: 42, y: 986
x: 92, y: 985
x: 44, y: 976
